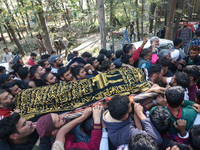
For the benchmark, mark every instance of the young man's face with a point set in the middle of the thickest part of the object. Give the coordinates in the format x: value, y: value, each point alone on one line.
x: 59, y: 62
x: 193, y: 54
x: 82, y: 74
x: 173, y: 81
x: 96, y: 64
x: 33, y: 57
x: 6, y: 100
x: 6, y: 51
x: 15, y: 90
x: 169, y: 56
x: 25, y: 128
x: 131, y: 61
x: 58, y: 120
x: 41, y: 70
x: 10, y: 79
x: 112, y: 66
x: 185, y: 24
x: 131, y: 52
x: 149, y: 55
x: 112, y: 57
x: 67, y: 76
x: 51, y: 79
x: 159, y: 77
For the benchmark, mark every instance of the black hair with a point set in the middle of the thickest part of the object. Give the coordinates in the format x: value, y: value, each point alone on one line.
x: 62, y: 70
x: 8, y: 85
x: 75, y: 52
x: 192, y: 70
x: 76, y: 70
x: 33, y: 70
x: 182, y: 79
x: 103, y: 51
x: 53, y: 52
x: 154, y: 69
x: 125, y: 58
x: 142, y: 141
x: 198, y: 96
x: 195, y: 48
x: 177, y: 41
x: 8, y: 126
x: 106, y: 65
x: 42, y: 62
x: 86, y: 55
x: 45, y: 56
x: 100, y: 58
x: 44, y: 76
x: 163, y: 61
x: 175, y: 96
x: 88, y: 125
x: 70, y: 56
x: 194, y: 137
x: 128, y: 48
x: 109, y: 54
x: 91, y: 60
x: 185, y: 21
x: 5, y: 48
x: 23, y: 72
x: 2, y: 68
x: 118, y: 106
x: 160, y: 117
x: 33, y: 54
x: 119, y: 53
x: 145, y: 52
x: 124, y: 47
x: 197, y: 33
x: 16, y: 67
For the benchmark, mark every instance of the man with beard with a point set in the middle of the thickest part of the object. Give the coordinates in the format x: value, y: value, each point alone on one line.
x: 94, y: 62
x: 110, y: 55
x: 45, y: 64
x: 193, y: 58
x: 7, y: 103
x: 65, y: 75
x: 156, y: 40
x: 55, y: 62
x: 49, y: 79
x: 155, y: 73
x: 12, y: 88
x: 118, y: 120
x: 36, y: 72
x: 185, y: 33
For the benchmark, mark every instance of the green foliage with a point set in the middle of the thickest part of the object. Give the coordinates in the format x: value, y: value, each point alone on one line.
x: 32, y: 45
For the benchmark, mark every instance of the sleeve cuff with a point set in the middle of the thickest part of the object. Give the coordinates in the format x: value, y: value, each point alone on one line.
x: 185, y: 137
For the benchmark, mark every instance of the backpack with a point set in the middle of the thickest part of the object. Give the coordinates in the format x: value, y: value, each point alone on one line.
x: 159, y: 34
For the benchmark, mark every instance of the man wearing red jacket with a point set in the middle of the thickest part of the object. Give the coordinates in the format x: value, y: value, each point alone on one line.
x: 31, y: 60
x: 7, y: 103
x: 131, y: 50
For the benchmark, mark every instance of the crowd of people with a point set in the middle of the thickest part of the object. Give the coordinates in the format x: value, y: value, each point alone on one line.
x: 169, y: 121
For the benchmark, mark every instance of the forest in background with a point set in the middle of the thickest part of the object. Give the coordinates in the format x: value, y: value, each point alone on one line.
x: 22, y: 20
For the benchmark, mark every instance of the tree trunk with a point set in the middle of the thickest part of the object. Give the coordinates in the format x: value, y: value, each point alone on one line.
x: 36, y: 18
x: 151, y: 16
x: 4, y: 40
x: 170, y: 19
x: 8, y: 32
x: 102, y: 23
x: 44, y: 28
x: 181, y: 6
x: 15, y: 39
x: 137, y: 21
x: 64, y: 13
x: 81, y: 5
x: 128, y: 20
x: 14, y: 21
x: 142, y: 30
x: 190, y: 9
x: 111, y: 13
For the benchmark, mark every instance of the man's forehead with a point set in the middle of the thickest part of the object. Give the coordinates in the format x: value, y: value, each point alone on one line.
x: 4, y: 94
x: 20, y: 122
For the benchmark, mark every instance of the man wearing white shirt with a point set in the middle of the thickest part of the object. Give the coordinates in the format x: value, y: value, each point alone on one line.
x: 7, y: 56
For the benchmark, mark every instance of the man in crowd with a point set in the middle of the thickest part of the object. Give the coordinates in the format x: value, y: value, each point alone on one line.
x: 121, y: 127
x: 31, y: 60
x: 45, y: 64
x: 94, y: 62
x: 56, y: 62
x: 65, y: 75
x: 107, y: 65
x: 185, y: 33
x: 49, y: 79
x: 36, y: 72
x: 40, y: 45
x: 7, y: 55
x: 193, y: 58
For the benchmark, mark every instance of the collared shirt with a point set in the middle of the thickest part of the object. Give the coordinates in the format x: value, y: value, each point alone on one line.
x: 54, y: 70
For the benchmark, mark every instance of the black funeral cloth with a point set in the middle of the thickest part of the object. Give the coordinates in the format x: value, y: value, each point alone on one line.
x: 69, y: 96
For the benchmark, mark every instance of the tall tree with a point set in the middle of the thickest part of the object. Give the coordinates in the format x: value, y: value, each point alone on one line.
x: 8, y: 32
x: 190, y: 8
x: 137, y: 20
x: 44, y: 27
x: 102, y: 25
x: 4, y: 40
x: 151, y: 16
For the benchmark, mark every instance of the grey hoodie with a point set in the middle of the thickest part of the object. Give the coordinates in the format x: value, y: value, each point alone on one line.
x: 120, y: 132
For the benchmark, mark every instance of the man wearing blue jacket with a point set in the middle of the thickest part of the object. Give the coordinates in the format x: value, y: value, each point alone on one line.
x: 120, y: 125
x: 126, y: 36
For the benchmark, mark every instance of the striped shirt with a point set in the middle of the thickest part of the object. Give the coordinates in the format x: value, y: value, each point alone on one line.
x: 185, y: 35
